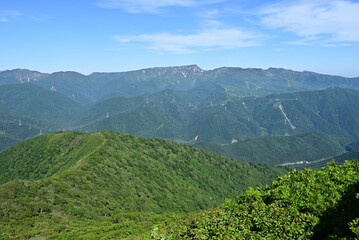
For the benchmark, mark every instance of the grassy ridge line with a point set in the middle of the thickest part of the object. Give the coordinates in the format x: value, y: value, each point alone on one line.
x: 96, y: 149
x: 46, y: 155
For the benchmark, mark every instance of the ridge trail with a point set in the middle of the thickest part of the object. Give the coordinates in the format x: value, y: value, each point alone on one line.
x: 103, y: 143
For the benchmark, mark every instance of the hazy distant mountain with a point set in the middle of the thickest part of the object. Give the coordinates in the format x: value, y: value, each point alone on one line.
x: 36, y: 102
x: 280, y: 149
x: 237, y: 81
x: 20, y: 76
x: 75, y: 86
x: 14, y: 128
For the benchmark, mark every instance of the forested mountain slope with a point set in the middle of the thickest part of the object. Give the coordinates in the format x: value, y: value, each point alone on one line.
x: 35, y: 102
x: 216, y: 118
x: 68, y: 183
x: 280, y: 149
x: 202, y: 114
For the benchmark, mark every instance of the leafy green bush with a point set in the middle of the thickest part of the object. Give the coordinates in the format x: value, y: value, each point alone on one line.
x: 318, y: 204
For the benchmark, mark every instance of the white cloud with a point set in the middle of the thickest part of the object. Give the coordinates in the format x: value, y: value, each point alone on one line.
x: 9, y: 15
x: 202, y: 41
x: 209, y: 18
x: 152, y: 6
x: 337, y: 20
x: 209, y: 13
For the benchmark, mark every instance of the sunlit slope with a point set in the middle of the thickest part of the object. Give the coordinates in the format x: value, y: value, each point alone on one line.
x: 43, y: 156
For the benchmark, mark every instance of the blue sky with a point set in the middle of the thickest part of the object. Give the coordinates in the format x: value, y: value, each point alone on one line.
x: 119, y: 35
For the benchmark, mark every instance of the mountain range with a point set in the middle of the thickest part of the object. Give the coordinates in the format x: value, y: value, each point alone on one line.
x: 238, y: 81
x: 187, y: 104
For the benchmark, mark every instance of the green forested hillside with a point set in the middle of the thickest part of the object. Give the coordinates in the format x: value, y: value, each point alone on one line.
x: 280, y: 149
x: 332, y: 111
x: 335, y: 106
x: 208, y: 114
x: 36, y: 102
x: 46, y: 155
x: 217, y: 118
x: 162, y: 114
x: 306, y: 204
x: 148, y: 115
x: 111, y: 107
x: 77, y: 185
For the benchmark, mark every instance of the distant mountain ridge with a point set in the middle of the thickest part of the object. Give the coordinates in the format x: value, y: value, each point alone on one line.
x: 20, y: 76
x: 238, y: 81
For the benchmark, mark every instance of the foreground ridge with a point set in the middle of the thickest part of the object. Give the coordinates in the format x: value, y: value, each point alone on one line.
x: 75, y: 185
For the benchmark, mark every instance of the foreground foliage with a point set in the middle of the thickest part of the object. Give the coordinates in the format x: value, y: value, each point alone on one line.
x: 317, y: 204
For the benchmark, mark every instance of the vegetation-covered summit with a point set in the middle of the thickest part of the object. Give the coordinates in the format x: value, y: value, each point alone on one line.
x: 59, y: 183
